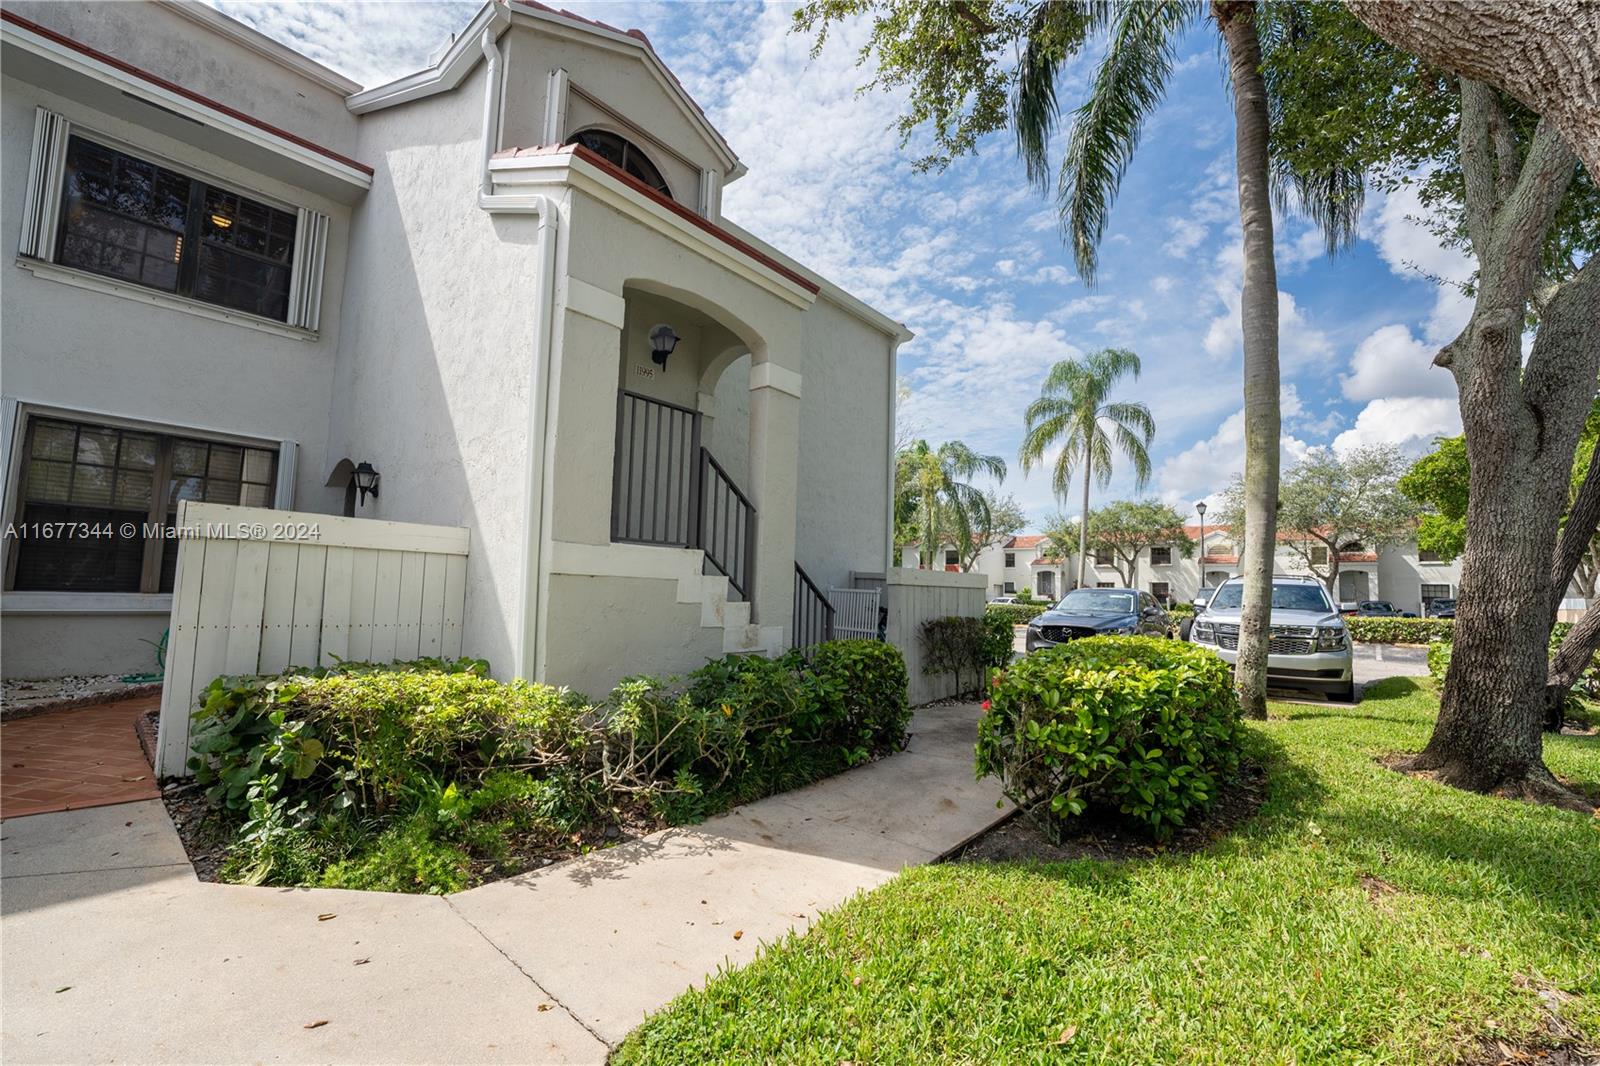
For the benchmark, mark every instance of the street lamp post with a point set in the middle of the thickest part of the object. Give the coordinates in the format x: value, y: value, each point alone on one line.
x: 1201, y: 507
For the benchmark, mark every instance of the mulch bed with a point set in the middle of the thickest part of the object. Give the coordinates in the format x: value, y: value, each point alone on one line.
x: 1106, y: 837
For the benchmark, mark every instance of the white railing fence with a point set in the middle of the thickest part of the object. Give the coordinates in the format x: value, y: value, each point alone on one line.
x: 258, y: 591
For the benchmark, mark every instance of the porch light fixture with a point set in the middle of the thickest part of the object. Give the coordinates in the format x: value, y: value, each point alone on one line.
x: 221, y: 221
x: 366, y: 479
x: 662, y: 341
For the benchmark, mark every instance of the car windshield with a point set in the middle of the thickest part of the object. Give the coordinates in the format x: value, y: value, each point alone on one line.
x: 1097, y: 601
x: 1285, y: 597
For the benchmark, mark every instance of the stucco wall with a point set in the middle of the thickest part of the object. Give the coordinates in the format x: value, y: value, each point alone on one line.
x: 1401, y: 576
x: 844, y: 452
x: 436, y: 359
x: 617, y: 79
x: 100, y: 353
x: 603, y: 629
x: 166, y: 44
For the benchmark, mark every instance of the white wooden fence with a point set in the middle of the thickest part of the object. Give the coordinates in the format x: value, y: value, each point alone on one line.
x: 258, y: 591
x: 914, y: 597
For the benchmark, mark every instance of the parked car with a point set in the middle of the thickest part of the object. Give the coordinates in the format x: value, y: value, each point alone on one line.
x: 1310, y: 646
x: 1003, y: 599
x: 1440, y: 608
x: 1098, y: 612
x: 1379, y: 609
x: 1203, y: 597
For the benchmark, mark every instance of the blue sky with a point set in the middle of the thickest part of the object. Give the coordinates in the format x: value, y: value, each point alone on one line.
x: 971, y: 261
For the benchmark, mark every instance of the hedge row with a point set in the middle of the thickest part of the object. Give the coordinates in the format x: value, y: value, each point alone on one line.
x: 1419, y: 630
x: 1019, y: 614
x: 428, y: 776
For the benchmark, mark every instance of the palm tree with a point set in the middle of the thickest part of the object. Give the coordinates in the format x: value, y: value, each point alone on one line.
x: 1128, y: 84
x: 948, y: 504
x: 1074, y: 411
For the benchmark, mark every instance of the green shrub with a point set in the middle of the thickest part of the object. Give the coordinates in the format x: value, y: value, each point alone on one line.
x: 1399, y: 630
x: 421, y: 777
x: 1439, y: 659
x: 1137, y: 725
x: 1016, y: 613
x: 1181, y: 609
x: 958, y: 645
x: 742, y: 726
x: 863, y: 682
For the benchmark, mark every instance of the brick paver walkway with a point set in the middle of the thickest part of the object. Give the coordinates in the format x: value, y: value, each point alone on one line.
x: 66, y: 760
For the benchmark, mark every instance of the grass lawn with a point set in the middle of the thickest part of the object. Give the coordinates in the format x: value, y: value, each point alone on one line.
x: 1362, y: 916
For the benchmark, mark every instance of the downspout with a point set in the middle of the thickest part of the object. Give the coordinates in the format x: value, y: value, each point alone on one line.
x: 534, y: 573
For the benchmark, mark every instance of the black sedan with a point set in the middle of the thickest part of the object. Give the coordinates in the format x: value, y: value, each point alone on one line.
x: 1098, y: 612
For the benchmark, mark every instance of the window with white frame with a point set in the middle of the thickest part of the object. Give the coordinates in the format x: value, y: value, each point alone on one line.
x: 1435, y: 592
x: 93, y: 501
x: 1010, y: 587
x: 1426, y: 556
x: 952, y: 558
x: 1161, y: 590
x: 115, y: 212
x: 1161, y: 555
x: 1011, y: 559
x: 1319, y: 556
x: 1102, y: 557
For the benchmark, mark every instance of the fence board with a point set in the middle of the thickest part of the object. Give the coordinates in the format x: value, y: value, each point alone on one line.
x: 363, y: 592
x: 277, y: 616
x: 386, y: 607
x: 336, y: 580
x: 430, y: 633
x: 455, y: 598
x: 249, y: 600
x: 255, y: 593
x: 308, y: 588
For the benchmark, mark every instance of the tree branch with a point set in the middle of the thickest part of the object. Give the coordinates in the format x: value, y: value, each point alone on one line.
x: 1519, y: 228
x: 1543, y: 52
x: 1583, y: 520
x: 1478, y: 171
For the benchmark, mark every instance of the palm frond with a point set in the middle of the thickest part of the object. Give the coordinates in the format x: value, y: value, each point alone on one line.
x: 1129, y: 84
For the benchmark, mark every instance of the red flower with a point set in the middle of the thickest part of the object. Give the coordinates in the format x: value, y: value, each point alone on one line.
x: 984, y: 705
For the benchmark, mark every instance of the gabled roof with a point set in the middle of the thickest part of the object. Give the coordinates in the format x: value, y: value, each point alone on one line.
x: 1026, y: 540
x: 464, y: 54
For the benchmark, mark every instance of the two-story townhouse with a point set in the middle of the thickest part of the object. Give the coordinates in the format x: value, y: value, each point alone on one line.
x: 503, y: 283
x: 1398, y: 573
x: 1008, y: 567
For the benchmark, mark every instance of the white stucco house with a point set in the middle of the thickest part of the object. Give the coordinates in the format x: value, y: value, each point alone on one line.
x: 504, y: 282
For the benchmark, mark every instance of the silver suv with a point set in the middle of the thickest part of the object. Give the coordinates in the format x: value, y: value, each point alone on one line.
x: 1309, y: 649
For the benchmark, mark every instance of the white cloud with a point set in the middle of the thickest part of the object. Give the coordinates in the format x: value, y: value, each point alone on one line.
x: 1300, y: 343
x: 1208, y: 466
x: 1392, y: 224
x: 1186, y: 237
x: 1391, y: 362
x: 1408, y: 422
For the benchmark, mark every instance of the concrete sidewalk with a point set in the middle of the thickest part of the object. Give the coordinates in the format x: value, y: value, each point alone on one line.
x: 113, y: 951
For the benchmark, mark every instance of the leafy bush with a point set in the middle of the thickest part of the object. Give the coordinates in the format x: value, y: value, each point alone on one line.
x: 428, y: 776
x: 1137, y: 725
x: 1439, y: 659
x: 964, y: 646
x: 1399, y: 630
x: 1016, y: 613
x: 1181, y: 609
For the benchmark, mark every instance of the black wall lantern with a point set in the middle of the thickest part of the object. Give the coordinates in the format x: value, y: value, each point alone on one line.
x: 366, y: 479
x: 662, y: 342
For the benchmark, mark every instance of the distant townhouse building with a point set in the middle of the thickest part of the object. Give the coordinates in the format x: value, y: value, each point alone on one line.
x: 1398, y: 573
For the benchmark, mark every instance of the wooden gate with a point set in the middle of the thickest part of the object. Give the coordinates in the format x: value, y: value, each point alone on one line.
x: 259, y: 591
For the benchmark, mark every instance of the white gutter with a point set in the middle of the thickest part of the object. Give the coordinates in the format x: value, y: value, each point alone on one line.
x: 535, y: 575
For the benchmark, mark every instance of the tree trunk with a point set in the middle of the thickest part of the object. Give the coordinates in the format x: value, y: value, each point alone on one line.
x: 1521, y: 425
x: 1083, y: 527
x: 1546, y: 53
x: 1259, y: 320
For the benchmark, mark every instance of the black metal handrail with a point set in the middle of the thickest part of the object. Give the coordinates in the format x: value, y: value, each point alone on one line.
x: 655, y: 489
x: 813, y: 613
x: 727, y: 525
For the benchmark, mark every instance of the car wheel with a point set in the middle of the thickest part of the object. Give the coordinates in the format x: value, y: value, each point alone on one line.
x: 1183, y: 628
x: 1348, y: 694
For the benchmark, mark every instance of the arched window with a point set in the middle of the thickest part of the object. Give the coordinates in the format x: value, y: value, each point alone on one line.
x: 623, y: 153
